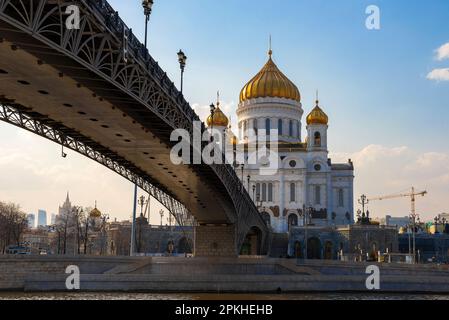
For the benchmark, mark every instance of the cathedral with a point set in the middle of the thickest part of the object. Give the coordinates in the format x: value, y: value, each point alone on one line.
x: 308, y: 188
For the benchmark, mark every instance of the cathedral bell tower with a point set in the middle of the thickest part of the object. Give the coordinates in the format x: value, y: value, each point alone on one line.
x: 317, y: 124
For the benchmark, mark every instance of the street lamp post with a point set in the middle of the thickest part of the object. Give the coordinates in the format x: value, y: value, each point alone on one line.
x: 258, y: 202
x: 133, y: 225
x: 212, y: 112
x: 306, y: 215
x: 147, y: 7
x: 363, y: 201
x: 141, y: 202
x: 182, y: 58
x: 161, y: 212
x: 248, y: 177
x: 413, y: 234
x: 254, y: 190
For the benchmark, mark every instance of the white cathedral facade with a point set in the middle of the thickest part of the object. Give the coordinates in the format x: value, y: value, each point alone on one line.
x: 307, y: 186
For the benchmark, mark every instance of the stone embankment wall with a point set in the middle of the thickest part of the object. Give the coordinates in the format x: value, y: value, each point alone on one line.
x: 214, y: 275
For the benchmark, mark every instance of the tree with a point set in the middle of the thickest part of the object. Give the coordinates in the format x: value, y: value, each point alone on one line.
x: 68, y: 228
x: 13, y: 223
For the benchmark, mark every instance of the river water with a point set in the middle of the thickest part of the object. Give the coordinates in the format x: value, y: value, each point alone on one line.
x: 193, y: 296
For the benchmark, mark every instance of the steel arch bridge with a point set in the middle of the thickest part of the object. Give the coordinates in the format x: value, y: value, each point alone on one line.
x: 96, y: 90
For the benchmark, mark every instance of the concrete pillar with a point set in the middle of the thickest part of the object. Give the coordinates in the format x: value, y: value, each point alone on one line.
x: 215, y: 241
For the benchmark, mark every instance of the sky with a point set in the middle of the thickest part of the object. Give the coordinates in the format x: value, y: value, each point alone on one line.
x: 386, y: 93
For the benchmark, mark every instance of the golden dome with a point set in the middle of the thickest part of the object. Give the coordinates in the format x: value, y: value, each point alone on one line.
x: 317, y: 116
x: 95, y: 213
x: 219, y: 119
x: 270, y: 82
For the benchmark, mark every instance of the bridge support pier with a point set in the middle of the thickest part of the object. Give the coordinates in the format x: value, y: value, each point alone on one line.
x: 212, y: 240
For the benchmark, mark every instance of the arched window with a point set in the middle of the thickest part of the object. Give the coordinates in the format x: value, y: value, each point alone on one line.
x: 290, y: 128
x: 264, y: 192
x: 298, y: 132
x: 341, y: 202
x: 317, y: 195
x: 317, y: 139
x: 292, y: 192
x: 268, y: 126
x: 270, y: 192
x: 280, y: 127
x: 255, y: 125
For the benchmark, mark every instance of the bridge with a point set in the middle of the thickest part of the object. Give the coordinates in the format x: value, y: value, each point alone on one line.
x: 96, y: 90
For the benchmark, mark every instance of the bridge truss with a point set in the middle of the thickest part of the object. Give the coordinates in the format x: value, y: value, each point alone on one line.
x: 33, y: 122
x: 105, y: 47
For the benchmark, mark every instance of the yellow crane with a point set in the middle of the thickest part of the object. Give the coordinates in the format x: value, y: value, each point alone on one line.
x: 412, y: 196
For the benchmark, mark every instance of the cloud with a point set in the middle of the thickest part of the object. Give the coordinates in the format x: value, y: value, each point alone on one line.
x: 443, y: 52
x: 439, y: 74
x: 382, y: 170
x: 372, y: 154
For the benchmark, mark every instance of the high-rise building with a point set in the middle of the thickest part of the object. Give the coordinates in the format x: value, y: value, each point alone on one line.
x: 31, y: 220
x: 41, y: 218
x: 64, y: 211
x: 66, y: 207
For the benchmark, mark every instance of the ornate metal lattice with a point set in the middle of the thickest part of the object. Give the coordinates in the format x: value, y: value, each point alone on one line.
x: 18, y: 116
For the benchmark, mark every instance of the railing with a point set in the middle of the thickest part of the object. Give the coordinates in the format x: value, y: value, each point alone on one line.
x: 107, y: 21
x: 118, y: 28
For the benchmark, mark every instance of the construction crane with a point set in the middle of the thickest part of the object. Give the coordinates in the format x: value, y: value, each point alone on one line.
x: 412, y: 196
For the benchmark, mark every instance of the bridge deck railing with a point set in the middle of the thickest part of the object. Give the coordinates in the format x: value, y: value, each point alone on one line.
x: 135, y: 48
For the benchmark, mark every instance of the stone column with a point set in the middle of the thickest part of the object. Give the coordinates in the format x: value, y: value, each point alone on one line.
x: 330, y: 199
x: 215, y: 241
x: 282, y: 199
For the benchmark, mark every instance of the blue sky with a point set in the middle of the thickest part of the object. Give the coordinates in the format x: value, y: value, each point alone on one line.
x: 384, y: 112
x: 372, y: 83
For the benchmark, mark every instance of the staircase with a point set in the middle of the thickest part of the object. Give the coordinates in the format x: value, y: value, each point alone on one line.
x: 279, y: 245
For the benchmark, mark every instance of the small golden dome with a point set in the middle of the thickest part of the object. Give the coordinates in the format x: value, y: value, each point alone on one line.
x: 270, y: 82
x: 219, y: 119
x: 317, y: 116
x: 95, y: 213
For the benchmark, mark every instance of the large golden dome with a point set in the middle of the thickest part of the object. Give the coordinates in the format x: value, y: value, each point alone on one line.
x: 219, y: 119
x: 317, y: 116
x: 270, y: 82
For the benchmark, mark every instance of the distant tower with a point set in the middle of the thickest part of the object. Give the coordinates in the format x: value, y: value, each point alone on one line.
x: 66, y: 207
x: 41, y: 218
x: 31, y: 218
x: 317, y: 125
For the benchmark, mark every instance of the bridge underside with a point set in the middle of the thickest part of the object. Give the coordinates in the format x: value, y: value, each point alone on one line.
x: 55, y: 95
x: 80, y: 83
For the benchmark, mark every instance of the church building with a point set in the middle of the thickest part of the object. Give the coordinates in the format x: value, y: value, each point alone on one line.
x: 307, y: 187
